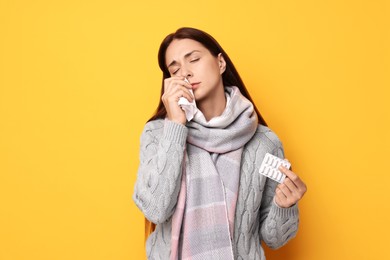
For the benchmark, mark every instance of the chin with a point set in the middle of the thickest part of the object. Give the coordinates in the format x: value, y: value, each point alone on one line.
x: 198, y: 96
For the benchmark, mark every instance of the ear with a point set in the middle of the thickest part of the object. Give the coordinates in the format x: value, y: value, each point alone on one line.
x: 221, y: 63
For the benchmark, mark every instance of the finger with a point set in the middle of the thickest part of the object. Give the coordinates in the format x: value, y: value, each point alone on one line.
x: 297, y: 188
x: 288, y: 199
x: 170, y: 84
x: 291, y: 185
x: 293, y: 177
x: 280, y: 199
x: 181, y: 81
x: 174, y: 93
x: 296, y: 193
x: 183, y: 92
x: 286, y: 191
x: 177, y: 77
x: 280, y: 194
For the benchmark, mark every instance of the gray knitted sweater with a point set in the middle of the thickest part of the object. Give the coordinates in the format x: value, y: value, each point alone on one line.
x: 257, y: 216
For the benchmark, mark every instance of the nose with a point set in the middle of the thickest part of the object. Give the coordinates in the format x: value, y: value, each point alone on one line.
x: 186, y: 72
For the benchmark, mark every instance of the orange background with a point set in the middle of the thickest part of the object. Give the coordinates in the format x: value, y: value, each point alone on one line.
x: 78, y: 80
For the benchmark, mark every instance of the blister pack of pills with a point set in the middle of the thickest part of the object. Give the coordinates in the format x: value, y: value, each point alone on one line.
x: 270, y: 167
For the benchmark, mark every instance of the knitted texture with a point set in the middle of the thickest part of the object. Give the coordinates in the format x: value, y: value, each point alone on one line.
x: 257, y: 217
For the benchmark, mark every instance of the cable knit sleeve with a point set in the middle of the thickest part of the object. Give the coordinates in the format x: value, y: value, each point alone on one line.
x: 159, y: 173
x: 277, y: 225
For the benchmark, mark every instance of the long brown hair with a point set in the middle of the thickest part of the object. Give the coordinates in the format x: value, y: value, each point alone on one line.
x: 229, y: 78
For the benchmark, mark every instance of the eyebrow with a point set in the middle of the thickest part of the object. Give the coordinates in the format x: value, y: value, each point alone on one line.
x: 185, y: 56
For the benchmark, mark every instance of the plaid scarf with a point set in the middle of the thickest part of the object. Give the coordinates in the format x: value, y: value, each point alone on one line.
x: 203, y: 222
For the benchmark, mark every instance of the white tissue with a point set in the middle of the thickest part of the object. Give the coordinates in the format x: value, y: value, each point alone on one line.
x: 189, y: 107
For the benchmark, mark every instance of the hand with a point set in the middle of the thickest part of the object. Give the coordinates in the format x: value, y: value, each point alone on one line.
x: 174, y: 89
x: 291, y: 190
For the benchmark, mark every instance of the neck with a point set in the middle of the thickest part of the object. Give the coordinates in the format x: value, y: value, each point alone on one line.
x: 214, y: 105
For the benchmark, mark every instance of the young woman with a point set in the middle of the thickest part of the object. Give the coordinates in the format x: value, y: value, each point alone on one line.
x: 198, y: 182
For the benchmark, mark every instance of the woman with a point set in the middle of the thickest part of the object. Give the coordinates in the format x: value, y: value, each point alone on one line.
x: 199, y: 181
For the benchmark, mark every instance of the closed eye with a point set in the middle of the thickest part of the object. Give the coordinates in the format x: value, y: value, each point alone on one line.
x: 191, y: 61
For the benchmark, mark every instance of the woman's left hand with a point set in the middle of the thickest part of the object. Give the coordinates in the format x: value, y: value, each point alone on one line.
x: 291, y: 190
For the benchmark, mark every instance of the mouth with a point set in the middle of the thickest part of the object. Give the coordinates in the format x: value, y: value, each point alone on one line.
x: 195, y: 85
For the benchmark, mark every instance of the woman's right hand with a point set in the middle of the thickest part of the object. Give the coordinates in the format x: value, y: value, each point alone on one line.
x: 175, y: 88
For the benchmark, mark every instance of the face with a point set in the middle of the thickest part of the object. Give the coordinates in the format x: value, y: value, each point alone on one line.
x: 190, y: 59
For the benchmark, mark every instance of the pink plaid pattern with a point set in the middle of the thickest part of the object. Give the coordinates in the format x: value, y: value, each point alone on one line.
x: 202, y: 225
